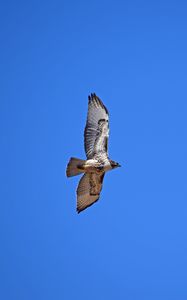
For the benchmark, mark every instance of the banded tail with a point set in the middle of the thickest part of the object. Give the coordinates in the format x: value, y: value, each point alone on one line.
x: 74, y: 167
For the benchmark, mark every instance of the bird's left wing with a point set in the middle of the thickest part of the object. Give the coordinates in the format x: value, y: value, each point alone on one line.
x: 97, y: 127
x: 88, y: 190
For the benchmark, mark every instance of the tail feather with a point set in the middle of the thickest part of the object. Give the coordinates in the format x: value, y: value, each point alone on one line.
x: 74, y: 167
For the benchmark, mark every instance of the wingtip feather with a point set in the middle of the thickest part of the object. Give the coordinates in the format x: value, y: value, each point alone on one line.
x: 97, y: 101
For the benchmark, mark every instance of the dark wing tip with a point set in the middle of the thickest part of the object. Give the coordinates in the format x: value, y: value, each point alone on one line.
x: 92, y: 97
x: 96, y: 100
x: 79, y: 210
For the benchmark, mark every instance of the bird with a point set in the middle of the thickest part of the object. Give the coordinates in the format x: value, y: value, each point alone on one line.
x: 96, y: 136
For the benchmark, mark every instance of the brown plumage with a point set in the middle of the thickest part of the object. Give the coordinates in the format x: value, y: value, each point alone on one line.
x: 96, y: 135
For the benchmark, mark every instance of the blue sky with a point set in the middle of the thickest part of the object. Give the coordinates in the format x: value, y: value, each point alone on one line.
x: 132, y: 244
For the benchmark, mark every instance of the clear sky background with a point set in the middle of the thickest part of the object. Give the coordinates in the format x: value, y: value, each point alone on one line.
x: 132, y: 244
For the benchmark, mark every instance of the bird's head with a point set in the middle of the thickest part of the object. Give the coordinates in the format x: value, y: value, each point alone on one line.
x: 114, y: 164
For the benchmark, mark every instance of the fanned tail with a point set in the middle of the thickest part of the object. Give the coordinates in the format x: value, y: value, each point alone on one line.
x: 74, y: 167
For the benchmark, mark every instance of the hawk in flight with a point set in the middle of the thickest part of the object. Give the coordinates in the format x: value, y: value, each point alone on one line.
x: 96, y: 135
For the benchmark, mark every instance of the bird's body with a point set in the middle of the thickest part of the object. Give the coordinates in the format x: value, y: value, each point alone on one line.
x: 96, y: 165
x: 96, y: 147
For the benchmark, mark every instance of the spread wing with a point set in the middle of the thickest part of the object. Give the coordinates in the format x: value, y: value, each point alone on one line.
x: 97, y: 127
x: 88, y: 190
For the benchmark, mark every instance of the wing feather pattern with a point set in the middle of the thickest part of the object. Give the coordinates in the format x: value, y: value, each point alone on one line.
x: 88, y: 190
x: 97, y: 127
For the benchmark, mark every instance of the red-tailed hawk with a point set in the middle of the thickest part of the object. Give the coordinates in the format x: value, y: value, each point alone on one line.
x: 96, y: 147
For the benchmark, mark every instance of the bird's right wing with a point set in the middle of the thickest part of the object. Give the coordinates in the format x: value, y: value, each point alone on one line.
x: 88, y: 190
x: 97, y: 128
